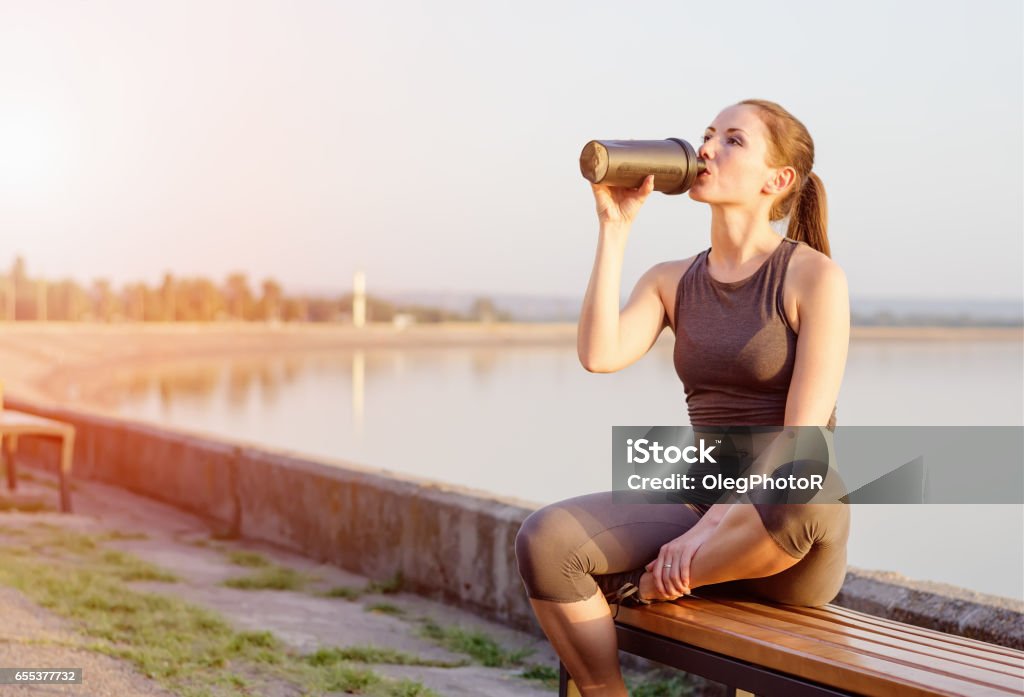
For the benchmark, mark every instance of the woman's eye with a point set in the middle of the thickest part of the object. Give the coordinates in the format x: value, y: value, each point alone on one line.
x: 704, y: 139
x: 735, y: 140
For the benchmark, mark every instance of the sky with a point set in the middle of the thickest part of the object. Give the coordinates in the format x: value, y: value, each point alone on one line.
x: 435, y: 145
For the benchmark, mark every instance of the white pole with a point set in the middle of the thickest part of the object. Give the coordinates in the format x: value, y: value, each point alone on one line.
x: 359, y: 299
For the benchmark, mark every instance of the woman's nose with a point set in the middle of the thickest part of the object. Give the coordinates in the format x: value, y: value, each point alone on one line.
x: 704, y: 151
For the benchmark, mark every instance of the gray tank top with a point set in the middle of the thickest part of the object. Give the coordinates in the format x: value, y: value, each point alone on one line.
x: 734, y: 347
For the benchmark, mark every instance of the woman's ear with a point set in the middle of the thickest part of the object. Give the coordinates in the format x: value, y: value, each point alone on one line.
x: 779, y: 180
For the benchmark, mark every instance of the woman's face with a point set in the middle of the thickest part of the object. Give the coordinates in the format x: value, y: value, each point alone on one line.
x: 735, y: 150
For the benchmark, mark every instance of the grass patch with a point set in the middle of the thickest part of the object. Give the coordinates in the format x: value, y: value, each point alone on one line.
x: 24, y: 476
x: 346, y: 592
x: 546, y: 675
x: 387, y: 587
x: 225, y: 534
x: 128, y: 567
x: 165, y: 638
x: 278, y: 578
x: 10, y: 531
x: 50, y: 483
x: 674, y: 686
x: 8, y: 505
x: 385, y: 609
x: 68, y: 542
x: 188, y: 649
x: 205, y: 543
x: 115, y: 535
x: 361, y: 681
x: 475, y: 644
x: 85, y: 549
x: 251, y: 559
x: 375, y: 654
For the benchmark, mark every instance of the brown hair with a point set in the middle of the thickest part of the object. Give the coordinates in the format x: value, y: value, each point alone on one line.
x: 789, y: 143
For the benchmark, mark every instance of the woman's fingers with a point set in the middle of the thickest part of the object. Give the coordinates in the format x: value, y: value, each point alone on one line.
x: 686, y: 562
x: 657, y: 572
x: 658, y: 582
x: 666, y: 578
x: 677, y: 576
x: 672, y: 579
x: 633, y: 199
x: 666, y: 573
x: 671, y: 570
x: 621, y: 203
x: 684, y: 571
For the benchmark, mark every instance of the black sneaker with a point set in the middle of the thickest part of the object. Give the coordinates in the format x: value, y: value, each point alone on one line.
x: 627, y: 594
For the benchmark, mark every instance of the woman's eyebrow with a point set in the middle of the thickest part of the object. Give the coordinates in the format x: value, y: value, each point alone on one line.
x: 728, y: 130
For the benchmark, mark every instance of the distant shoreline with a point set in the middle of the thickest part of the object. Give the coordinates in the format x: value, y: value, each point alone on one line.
x: 464, y: 329
x: 48, y: 361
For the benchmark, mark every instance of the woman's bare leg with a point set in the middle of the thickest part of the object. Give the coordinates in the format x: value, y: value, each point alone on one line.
x: 583, y: 636
x: 583, y: 633
x: 739, y: 548
x: 567, y: 551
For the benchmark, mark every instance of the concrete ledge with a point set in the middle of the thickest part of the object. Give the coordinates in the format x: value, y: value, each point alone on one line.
x: 938, y: 606
x: 449, y: 543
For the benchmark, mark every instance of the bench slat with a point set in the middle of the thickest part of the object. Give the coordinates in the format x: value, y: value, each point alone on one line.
x: 931, y: 645
x: 884, y: 624
x: 690, y: 621
x: 19, y: 422
x: 931, y: 658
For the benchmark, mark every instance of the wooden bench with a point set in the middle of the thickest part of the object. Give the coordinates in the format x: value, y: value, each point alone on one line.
x: 763, y: 648
x: 18, y: 423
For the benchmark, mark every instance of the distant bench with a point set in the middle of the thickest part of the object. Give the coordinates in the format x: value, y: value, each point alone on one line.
x: 18, y: 423
x: 763, y: 648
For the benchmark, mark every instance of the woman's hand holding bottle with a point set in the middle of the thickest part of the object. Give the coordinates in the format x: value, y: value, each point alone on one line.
x: 618, y: 205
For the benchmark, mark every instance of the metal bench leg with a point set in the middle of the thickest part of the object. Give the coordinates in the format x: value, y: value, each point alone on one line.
x: 12, y: 474
x: 566, y: 686
x: 67, y: 451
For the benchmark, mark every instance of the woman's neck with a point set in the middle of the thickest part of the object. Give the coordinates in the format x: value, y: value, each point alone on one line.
x: 739, y: 236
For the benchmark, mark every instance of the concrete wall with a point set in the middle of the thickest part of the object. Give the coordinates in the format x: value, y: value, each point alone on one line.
x: 448, y: 543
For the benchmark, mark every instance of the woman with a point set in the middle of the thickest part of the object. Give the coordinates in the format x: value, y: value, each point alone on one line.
x: 762, y: 332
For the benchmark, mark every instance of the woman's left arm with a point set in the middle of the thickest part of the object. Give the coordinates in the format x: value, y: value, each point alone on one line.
x: 823, y: 306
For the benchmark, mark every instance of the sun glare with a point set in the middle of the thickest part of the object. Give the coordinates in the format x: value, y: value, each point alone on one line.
x: 33, y: 152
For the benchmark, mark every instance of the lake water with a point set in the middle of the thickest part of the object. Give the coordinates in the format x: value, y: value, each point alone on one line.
x: 529, y: 422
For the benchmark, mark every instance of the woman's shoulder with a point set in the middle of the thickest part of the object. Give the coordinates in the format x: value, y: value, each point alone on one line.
x: 670, y: 272
x: 808, y: 268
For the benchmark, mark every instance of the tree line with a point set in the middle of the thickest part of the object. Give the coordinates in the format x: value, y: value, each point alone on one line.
x: 198, y: 299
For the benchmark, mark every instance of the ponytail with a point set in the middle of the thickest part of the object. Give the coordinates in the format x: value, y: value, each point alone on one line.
x: 808, y: 218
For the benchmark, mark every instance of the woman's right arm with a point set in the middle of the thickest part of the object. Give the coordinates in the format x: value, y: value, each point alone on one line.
x: 607, y: 339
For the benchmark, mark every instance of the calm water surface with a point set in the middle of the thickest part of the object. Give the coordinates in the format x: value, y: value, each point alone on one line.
x: 531, y: 423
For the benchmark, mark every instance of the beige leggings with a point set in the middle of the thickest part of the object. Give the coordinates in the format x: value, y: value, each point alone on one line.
x: 567, y: 550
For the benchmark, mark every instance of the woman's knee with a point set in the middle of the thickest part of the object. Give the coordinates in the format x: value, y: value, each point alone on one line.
x: 540, y: 536
x: 546, y: 547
